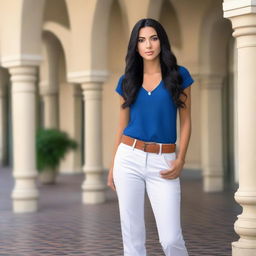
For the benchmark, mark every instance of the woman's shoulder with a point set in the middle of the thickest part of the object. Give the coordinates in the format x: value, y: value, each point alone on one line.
x: 184, y: 72
x: 122, y: 77
x: 182, y: 69
x: 119, y: 88
x: 186, y: 76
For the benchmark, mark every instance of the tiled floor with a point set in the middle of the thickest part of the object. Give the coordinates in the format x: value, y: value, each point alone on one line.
x: 64, y: 226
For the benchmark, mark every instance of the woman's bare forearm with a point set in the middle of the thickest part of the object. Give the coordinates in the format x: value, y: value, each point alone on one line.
x: 185, y: 127
x: 116, y: 144
x: 185, y: 132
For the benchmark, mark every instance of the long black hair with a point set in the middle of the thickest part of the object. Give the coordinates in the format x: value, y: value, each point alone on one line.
x: 133, y: 78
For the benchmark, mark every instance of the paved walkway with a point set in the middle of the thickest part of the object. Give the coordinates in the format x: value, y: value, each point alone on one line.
x: 64, y: 226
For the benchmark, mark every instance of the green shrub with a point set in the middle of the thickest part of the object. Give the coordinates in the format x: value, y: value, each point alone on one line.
x: 51, y: 146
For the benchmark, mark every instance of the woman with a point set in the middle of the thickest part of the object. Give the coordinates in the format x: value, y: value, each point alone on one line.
x: 151, y: 90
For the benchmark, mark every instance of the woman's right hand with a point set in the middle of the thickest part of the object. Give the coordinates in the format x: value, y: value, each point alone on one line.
x: 110, y: 181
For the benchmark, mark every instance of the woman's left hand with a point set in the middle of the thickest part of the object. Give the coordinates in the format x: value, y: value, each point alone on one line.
x: 174, y: 171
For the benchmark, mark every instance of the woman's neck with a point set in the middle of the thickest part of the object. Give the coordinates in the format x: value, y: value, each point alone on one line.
x: 151, y: 66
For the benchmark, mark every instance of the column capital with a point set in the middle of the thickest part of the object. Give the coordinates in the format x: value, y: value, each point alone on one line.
x: 211, y: 81
x: 21, y: 60
x: 234, y: 8
x: 243, y: 17
x: 19, y: 73
x: 92, y: 90
x: 91, y: 86
x: 195, y: 75
x: 88, y: 76
x: 25, y: 76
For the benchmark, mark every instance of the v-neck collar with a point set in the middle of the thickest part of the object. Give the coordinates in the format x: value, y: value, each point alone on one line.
x: 150, y: 92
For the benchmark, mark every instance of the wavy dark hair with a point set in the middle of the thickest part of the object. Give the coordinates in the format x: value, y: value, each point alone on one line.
x: 134, y: 66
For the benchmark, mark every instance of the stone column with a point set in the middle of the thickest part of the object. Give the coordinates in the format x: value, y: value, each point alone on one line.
x: 93, y: 186
x: 3, y: 118
x: 243, y: 17
x: 25, y: 193
x: 77, y: 128
x: 212, y: 149
x: 50, y: 102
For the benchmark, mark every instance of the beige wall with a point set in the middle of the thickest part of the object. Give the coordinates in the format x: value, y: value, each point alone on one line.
x: 115, y: 61
x: 94, y: 35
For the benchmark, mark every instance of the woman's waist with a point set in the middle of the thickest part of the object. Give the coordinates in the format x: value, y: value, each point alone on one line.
x: 148, y: 146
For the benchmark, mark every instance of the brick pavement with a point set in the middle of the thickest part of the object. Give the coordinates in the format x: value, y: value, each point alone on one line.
x: 64, y: 226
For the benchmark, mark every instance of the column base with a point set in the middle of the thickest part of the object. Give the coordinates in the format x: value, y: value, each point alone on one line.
x: 93, y: 197
x: 212, y: 184
x: 241, y: 249
x: 25, y: 206
x: 25, y: 200
x: 71, y: 171
x: 93, y: 186
x: 78, y: 169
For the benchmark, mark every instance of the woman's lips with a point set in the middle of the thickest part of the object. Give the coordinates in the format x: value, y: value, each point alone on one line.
x: 149, y: 53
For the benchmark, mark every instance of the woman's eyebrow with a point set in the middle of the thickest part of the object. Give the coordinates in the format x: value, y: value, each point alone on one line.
x: 144, y: 37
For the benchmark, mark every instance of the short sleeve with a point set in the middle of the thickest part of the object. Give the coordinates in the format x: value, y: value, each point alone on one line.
x: 187, y: 79
x: 119, y: 86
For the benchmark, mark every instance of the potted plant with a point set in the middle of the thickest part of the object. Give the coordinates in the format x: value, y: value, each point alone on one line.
x: 51, y: 146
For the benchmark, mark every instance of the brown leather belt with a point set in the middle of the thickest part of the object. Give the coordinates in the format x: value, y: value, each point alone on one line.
x: 151, y: 147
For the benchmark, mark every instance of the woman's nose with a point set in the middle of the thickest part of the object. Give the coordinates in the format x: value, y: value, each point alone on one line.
x: 148, y: 44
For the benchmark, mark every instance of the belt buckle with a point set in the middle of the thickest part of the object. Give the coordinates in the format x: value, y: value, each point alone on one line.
x: 144, y: 146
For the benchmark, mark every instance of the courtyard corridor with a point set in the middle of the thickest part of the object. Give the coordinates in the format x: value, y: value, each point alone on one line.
x: 64, y: 226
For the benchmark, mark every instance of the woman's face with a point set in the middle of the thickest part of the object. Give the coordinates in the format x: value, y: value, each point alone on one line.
x: 148, y: 44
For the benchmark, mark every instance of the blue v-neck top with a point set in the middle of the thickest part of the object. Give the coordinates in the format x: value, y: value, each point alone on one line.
x: 153, y: 115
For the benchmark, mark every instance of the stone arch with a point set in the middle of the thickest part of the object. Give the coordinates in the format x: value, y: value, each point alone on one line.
x: 63, y: 36
x: 117, y: 42
x: 155, y: 8
x: 169, y: 19
x: 23, y: 30
x: 56, y: 11
x: 117, y: 39
x: 89, y: 24
x: 214, y: 26
x: 215, y: 34
x: 55, y: 56
x: 165, y: 12
x: 57, y: 23
x: 99, y: 33
x: 50, y: 52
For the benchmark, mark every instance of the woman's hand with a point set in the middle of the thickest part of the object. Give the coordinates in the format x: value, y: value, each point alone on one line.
x: 110, y: 182
x: 174, y: 171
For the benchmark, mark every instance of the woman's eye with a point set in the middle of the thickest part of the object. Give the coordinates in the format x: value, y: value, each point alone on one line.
x: 155, y: 38
x: 140, y: 40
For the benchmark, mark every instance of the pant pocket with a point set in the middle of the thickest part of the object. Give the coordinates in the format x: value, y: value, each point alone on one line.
x: 167, y: 159
x: 122, y: 150
x: 124, y: 157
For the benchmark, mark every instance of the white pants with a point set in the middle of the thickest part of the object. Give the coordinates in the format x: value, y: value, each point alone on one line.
x: 134, y: 171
